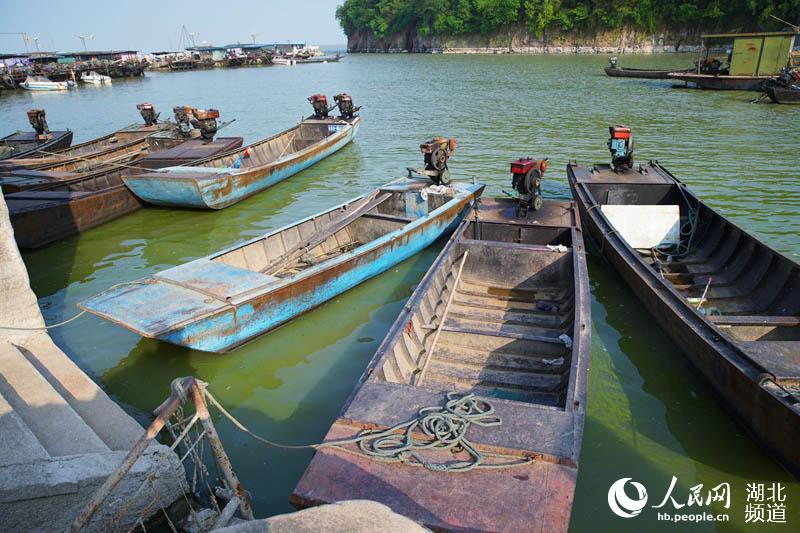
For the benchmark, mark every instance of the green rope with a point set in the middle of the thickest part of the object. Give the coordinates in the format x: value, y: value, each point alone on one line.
x: 687, y: 232
x: 444, y: 429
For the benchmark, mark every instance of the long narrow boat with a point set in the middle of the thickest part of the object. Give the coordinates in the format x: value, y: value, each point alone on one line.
x: 720, y: 82
x: 28, y: 143
x: 216, y: 303
x: 51, y: 211
x: 730, y: 302
x: 503, y: 313
x: 219, y: 182
x: 644, y: 73
x: 117, y: 147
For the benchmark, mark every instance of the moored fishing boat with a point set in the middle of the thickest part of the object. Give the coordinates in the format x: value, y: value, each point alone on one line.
x: 503, y: 314
x: 219, y: 182
x: 95, y: 78
x: 216, y: 303
x: 46, y: 212
x: 785, y: 88
x: 615, y: 71
x: 40, y: 83
x: 726, y: 299
x: 750, y: 59
x: 26, y: 144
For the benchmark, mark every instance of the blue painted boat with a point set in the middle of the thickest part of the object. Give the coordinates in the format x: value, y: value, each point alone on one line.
x: 219, y: 302
x: 218, y: 182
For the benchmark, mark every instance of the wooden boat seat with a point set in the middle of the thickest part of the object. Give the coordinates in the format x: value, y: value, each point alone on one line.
x: 779, y: 358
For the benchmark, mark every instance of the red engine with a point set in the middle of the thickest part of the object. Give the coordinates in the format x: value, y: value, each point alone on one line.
x: 621, y: 147
x: 526, y: 179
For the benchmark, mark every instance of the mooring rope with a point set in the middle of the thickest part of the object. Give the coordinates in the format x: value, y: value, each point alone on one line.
x: 444, y: 429
x: 67, y: 321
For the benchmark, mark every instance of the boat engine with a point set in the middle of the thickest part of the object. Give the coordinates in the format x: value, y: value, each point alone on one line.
x: 206, y: 121
x: 621, y: 147
x: 39, y: 122
x: 526, y: 179
x: 320, y: 104
x: 612, y: 62
x: 437, y: 151
x: 346, y: 108
x: 183, y: 120
x: 148, y: 113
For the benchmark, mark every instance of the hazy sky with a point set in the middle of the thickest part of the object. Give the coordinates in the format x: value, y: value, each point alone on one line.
x: 151, y: 25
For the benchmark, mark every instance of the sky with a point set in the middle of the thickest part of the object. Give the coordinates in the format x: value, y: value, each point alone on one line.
x: 150, y: 25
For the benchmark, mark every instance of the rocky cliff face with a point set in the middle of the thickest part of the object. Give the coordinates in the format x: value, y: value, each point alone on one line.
x: 520, y: 41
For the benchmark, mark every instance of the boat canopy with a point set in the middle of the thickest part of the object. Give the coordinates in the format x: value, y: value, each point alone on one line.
x: 757, y: 54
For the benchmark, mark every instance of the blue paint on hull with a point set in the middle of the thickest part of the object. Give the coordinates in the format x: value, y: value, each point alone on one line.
x: 226, y: 188
x: 232, y: 327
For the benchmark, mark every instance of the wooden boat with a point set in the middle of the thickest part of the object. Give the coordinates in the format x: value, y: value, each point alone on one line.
x: 753, y: 58
x: 52, y: 210
x: 720, y: 82
x: 218, y: 182
x: 731, y: 303
x: 503, y: 313
x: 216, y: 303
x: 117, y: 147
x: 28, y: 143
x: 783, y: 95
x: 645, y: 73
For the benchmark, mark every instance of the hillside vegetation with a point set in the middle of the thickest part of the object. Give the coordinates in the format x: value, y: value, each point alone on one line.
x: 383, y: 19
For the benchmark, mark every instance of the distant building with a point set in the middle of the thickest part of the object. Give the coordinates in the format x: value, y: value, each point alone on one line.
x: 107, y: 55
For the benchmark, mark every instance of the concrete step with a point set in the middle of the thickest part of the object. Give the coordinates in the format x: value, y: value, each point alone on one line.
x: 17, y: 443
x: 107, y: 419
x: 59, y: 429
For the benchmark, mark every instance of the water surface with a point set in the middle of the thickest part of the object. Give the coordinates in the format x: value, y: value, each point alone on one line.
x: 649, y: 415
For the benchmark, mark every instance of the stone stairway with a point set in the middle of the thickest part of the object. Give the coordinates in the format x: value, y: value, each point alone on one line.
x: 61, y: 436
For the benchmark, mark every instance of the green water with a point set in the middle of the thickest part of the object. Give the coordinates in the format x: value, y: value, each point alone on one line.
x: 649, y: 415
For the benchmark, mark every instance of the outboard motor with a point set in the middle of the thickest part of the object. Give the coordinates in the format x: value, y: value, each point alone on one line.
x: 621, y: 147
x: 148, y: 113
x: 346, y: 108
x: 206, y: 122
x: 39, y: 122
x: 437, y: 151
x: 526, y: 179
x: 320, y: 104
x: 612, y: 62
x: 183, y: 119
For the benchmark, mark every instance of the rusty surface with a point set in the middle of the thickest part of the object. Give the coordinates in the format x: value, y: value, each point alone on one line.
x: 535, y: 497
x: 757, y: 379
x: 26, y: 144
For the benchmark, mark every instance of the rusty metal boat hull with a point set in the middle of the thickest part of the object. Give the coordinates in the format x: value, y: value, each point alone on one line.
x: 222, y: 181
x: 746, y: 343
x: 43, y: 214
x: 490, y: 317
x: 216, y: 303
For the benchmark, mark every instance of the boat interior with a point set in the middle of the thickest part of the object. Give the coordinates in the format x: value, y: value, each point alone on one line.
x: 328, y: 235
x: 493, y: 318
x: 741, y: 284
x: 279, y: 146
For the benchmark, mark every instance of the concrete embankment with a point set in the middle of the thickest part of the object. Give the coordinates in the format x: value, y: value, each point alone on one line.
x: 61, y: 436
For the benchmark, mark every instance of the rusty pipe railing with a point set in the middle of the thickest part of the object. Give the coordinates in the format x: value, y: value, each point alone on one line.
x: 181, y: 391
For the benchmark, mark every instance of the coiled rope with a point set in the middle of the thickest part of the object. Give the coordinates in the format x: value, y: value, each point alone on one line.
x: 687, y: 232
x: 444, y: 428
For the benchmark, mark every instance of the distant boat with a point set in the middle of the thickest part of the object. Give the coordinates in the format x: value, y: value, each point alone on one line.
x: 283, y: 61
x: 95, y: 79
x: 40, y: 83
x: 644, y: 73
